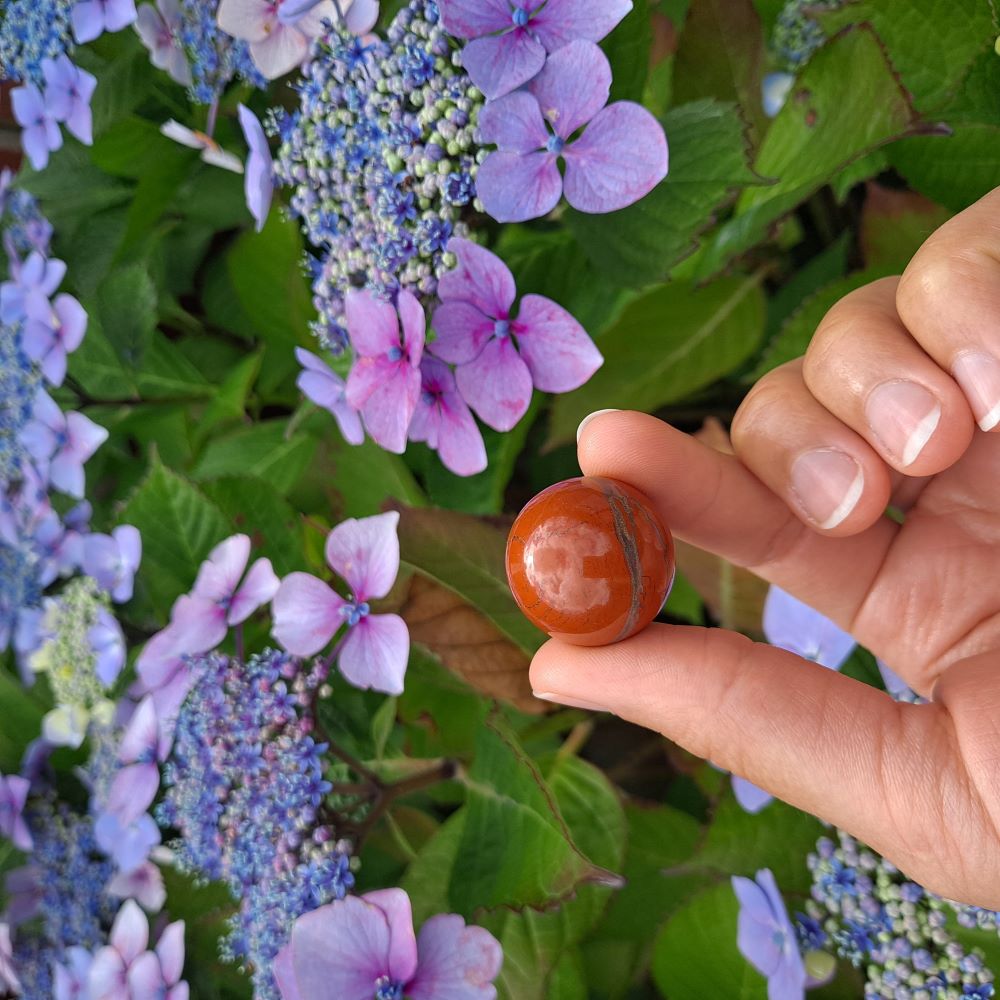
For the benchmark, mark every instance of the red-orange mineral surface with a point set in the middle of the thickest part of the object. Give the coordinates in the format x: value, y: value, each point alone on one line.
x: 589, y: 561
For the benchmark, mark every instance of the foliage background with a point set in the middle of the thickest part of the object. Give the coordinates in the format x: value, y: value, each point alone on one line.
x: 720, y: 274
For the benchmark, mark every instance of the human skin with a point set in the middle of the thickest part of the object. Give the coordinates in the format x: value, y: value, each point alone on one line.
x: 919, y: 783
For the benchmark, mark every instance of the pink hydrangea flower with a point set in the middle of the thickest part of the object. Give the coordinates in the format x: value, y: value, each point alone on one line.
x: 8, y: 974
x: 156, y: 27
x: 510, y: 38
x: 384, y: 383
x: 223, y: 596
x: 13, y: 795
x: 143, y: 747
x: 277, y: 44
x: 500, y: 356
x: 618, y: 159
x: 307, y: 613
x: 364, y: 946
x: 443, y: 421
x: 92, y: 18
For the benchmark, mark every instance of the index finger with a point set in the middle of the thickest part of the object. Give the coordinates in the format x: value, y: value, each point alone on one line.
x: 714, y: 502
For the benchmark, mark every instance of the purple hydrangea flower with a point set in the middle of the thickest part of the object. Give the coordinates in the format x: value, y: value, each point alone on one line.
x: 69, y: 981
x: 766, y: 937
x: 61, y: 443
x: 108, y: 643
x: 144, y: 884
x: 68, y: 90
x: 112, y: 560
x: 48, y: 341
x: 258, y: 177
x: 500, y: 357
x: 224, y: 594
x: 307, y: 613
x: 444, y: 421
x: 40, y: 134
x: 327, y: 389
x: 33, y: 283
x: 91, y: 18
x: 159, y: 28
x: 510, y: 38
x: 128, y: 846
x: 143, y: 748
x: 364, y: 946
x: 13, y: 795
x: 359, y: 17
x: 790, y: 624
x: 8, y: 974
x: 384, y: 383
x: 277, y: 45
x: 158, y: 973
x: 620, y: 157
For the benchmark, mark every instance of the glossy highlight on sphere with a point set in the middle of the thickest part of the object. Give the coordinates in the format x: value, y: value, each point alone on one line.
x: 589, y: 561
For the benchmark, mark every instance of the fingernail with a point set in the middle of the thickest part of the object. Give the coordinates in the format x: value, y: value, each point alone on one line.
x: 561, y: 699
x: 979, y: 376
x: 827, y: 484
x: 586, y: 420
x: 902, y: 415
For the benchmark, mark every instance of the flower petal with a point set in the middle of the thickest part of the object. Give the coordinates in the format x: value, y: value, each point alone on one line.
x: 557, y: 350
x: 755, y: 926
x: 132, y: 792
x: 283, y: 971
x: 119, y: 14
x: 219, y: 576
x: 751, y: 798
x: 375, y: 654
x: 365, y: 552
x: 106, y: 978
x: 460, y: 442
x: 130, y: 932
x: 496, y: 385
x: 88, y: 21
x: 561, y: 21
x: 200, y: 623
x: 472, y: 18
x: 144, y: 977
x: 372, y: 324
x: 170, y: 950
x: 249, y: 20
x: 260, y: 585
x: 389, y: 409
x: 573, y: 87
x: 414, y: 323
x: 513, y: 123
x: 462, y: 332
x: 141, y: 734
x: 456, y: 962
x: 617, y: 161
x: 182, y: 134
x: 306, y: 614
x: 327, y: 389
x: 395, y: 904
x: 284, y: 49
x: 515, y: 187
x: 790, y: 624
x: 340, y: 950
x: 498, y: 64
x: 481, y: 278
x: 361, y: 17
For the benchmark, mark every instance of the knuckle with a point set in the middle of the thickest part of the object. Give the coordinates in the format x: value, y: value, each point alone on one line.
x: 938, y: 275
x: 767, y: 400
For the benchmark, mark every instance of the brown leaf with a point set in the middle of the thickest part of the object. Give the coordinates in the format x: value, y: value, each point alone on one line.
x: 468, y: 644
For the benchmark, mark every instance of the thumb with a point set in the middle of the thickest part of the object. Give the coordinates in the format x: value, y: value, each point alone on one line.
x: 821, y: 741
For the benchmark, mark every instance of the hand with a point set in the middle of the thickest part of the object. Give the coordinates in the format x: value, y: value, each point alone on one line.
x: 882, y: 410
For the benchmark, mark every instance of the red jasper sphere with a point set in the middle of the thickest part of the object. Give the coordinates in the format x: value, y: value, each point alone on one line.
x: 589, y: 561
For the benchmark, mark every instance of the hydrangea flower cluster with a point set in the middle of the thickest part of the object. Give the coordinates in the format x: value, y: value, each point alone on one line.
x: 868, y: 912
x: 382, y: 160
x: 244, y: 788
x: 35, y: 42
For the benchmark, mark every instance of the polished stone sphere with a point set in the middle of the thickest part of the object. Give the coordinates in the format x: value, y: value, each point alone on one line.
x: 589, y: 561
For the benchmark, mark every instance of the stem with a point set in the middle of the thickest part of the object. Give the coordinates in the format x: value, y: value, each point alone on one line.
x: 213, y: 113
x: 445, y: 771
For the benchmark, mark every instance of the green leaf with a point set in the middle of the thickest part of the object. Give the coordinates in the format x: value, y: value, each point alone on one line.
x: 125, y: 80
x: 266, y: 273
x: 795, y: 335
x: 638, y: 245
x: 126, y: 310
x: 894, y: 224
x: 721, y: 55
x: 931, y: 42
x: 167, y: 374
x: 466, y: 555
x: 130, y: 147
x: 954, y: 170
x: 228, y: 405
x: 22, y: 720
x: 696, y: 956
x: 263, y: 451
x: 628, y: 49
x: 516, y: 849
x: 254, y: 507
x: 822, y: 128
x: 179, y: 526
x: 779, y: 837
x: 666, y: 345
